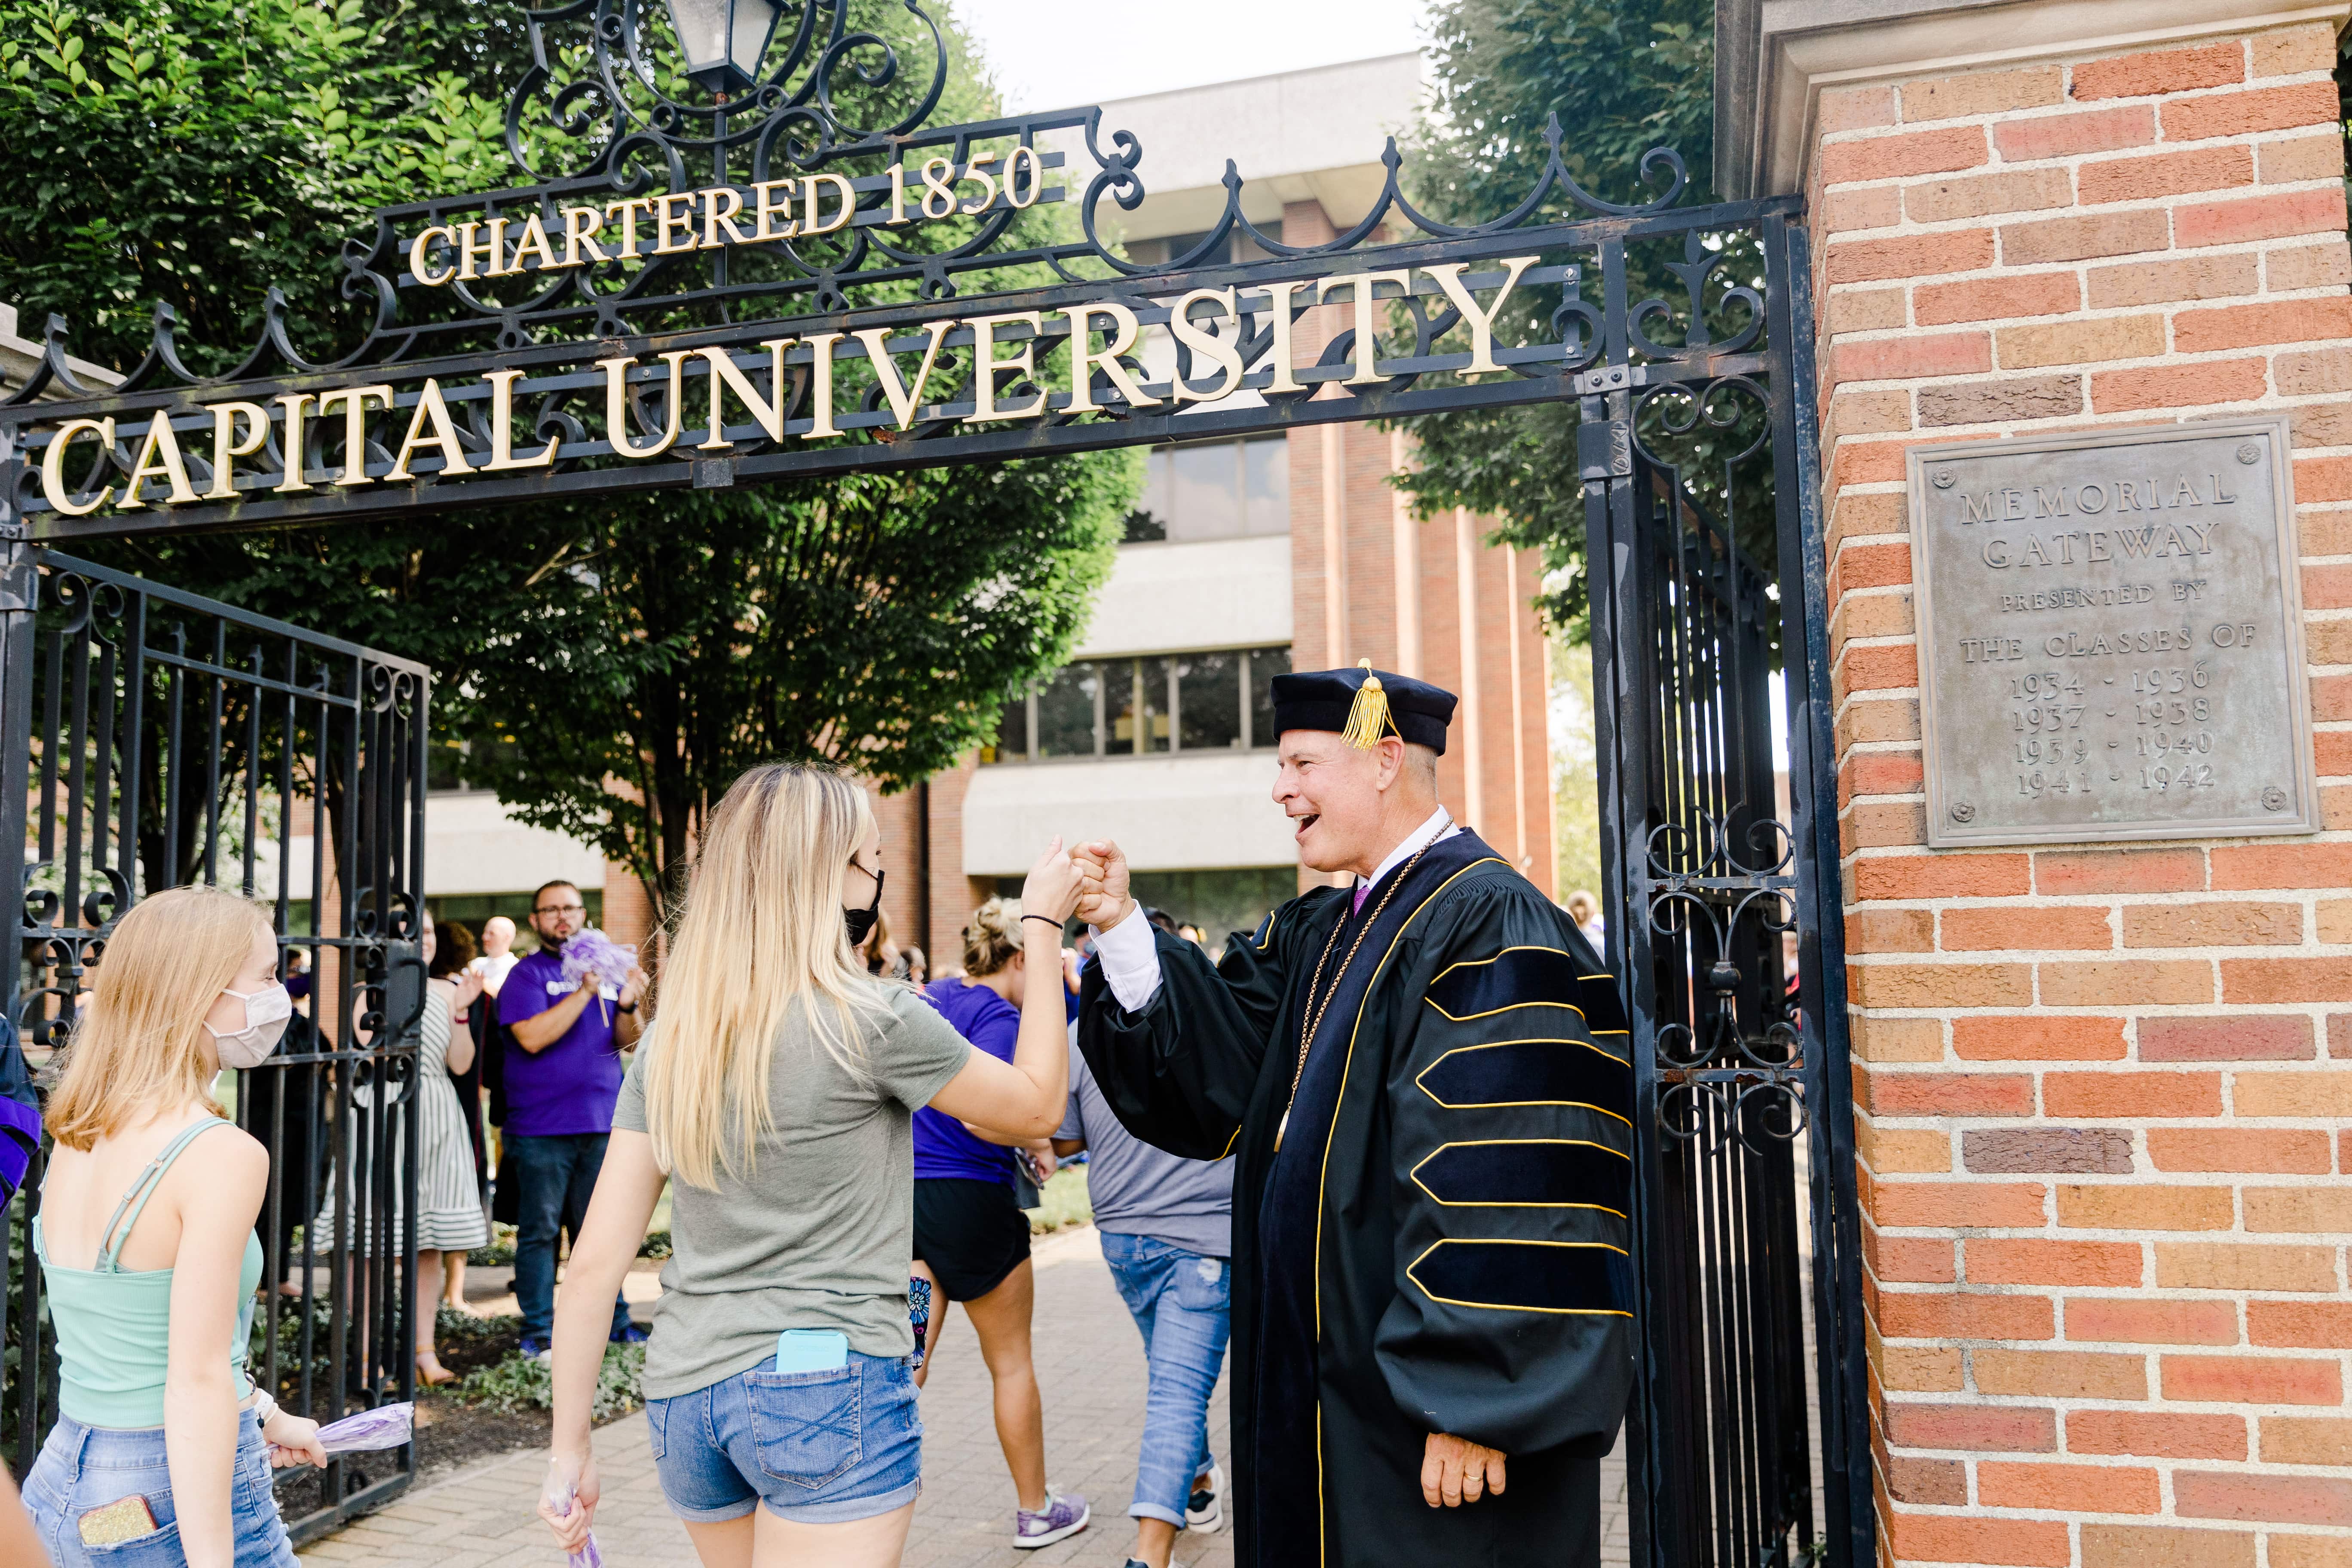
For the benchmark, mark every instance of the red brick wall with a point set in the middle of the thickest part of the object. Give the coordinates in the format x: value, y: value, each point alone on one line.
x: 2103, y: 1093
x: 628, y: 913
x: 902, y: 885
x: 953, y: 895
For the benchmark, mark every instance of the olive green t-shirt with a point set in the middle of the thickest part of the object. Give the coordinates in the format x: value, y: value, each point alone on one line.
x: 819, y: 1236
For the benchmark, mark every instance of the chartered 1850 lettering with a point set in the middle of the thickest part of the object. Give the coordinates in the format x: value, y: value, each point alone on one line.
x: 800, y: 208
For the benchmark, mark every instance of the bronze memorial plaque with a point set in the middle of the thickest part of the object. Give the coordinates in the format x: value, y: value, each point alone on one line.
x: 2111, y: 636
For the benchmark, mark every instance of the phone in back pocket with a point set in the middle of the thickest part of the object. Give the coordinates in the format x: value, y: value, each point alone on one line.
x: 124, y: 1519
x: 812, y: 1349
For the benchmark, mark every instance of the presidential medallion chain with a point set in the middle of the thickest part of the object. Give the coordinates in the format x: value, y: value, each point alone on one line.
x: 1318, y: 1001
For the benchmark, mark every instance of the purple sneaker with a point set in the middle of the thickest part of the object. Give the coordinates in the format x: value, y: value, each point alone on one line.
x: 1061, y: 1518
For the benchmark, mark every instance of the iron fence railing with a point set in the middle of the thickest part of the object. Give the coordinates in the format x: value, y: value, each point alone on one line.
x: 1723, y: 905
x: 156, y: 739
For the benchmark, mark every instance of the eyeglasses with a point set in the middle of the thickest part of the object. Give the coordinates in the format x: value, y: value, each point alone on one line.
x: 561, y: 909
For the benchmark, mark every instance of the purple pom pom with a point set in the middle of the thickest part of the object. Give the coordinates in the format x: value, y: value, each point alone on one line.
x: 592, y: 956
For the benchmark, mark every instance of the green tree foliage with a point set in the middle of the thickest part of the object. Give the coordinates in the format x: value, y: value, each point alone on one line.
x: 195, y: 152
x: 1622, y: 79
x: 877, y: 620
x: 607, y: 666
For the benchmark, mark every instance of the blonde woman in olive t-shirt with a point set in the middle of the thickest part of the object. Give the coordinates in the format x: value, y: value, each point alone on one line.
x: 776, y: 1093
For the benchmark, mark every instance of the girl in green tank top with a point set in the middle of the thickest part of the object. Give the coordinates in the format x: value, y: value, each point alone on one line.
x: 146, y: 1244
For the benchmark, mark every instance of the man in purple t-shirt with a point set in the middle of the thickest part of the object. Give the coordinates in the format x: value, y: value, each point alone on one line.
x: 561, y: 1085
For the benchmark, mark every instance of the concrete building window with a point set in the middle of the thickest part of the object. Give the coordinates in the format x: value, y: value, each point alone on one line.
x: 1259, y: 680
x: 1208, y: 700
x: 1066, y: 716
x: 1140, y: 724
x: 1218, y: 700
x: 1218, y: 490
x: 1012, y: 733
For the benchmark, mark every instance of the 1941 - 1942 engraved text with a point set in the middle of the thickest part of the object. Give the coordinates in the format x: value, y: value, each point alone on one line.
x: 2110, y: 640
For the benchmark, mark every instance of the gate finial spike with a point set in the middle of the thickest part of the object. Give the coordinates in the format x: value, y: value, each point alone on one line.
x: 1368, y: 715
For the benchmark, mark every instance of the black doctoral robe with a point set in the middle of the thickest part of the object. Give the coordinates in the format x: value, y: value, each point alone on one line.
x: 1441, y: 1243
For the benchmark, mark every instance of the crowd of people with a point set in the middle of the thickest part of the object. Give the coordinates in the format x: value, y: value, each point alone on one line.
x: 774, y: 1217
x: 848, y: 1143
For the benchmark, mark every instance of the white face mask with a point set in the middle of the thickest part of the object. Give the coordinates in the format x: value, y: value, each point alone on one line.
x: 266, y: 1012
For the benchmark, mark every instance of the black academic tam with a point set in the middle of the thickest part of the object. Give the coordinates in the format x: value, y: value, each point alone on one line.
x: 1440, y: 1242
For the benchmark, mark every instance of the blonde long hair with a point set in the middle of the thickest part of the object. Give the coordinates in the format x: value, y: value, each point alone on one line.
x: 760, y: 930
x: 138, y: 1048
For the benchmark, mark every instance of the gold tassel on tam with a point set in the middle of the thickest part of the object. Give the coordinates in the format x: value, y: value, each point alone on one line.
x: 1367, y: 716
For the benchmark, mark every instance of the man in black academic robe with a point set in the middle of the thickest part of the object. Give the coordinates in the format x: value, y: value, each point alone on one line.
x: 1432, y: 1298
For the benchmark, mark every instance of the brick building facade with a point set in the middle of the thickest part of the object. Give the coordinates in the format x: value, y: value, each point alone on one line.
x: 2103, y: 1094
x: 1429, y: 599
x: 1360, y: 578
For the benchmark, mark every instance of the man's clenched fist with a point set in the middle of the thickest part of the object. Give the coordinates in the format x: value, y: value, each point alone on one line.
x: 1454, y: 1470
x: 1103, y: 898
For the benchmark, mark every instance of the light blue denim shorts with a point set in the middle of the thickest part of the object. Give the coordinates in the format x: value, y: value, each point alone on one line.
x: 82, y: 1467
x: 817, y: 1447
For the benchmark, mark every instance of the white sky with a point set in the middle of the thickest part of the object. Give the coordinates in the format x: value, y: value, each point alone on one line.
x: 1056, y: 54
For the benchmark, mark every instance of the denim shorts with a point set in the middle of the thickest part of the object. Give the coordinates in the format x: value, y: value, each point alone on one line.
x: 817, y: 1447
x: 82, y: 1467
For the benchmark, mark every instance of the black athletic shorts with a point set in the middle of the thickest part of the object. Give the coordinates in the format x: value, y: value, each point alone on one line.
x: 971, y: 1234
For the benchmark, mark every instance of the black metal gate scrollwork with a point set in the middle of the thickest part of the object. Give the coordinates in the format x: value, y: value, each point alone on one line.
x: 153, y: 735
x: 1699, y: 464
x: 153, y: 738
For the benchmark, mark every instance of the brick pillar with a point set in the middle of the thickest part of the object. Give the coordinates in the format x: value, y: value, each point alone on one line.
x: 628, y: 913
x: 2102, y: 1091
x: 902, y: 846
x: 1531, y: 843
x: 953, y: 895
x: 1405, y: 542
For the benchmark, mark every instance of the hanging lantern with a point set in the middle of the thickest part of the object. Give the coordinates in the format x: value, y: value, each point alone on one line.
x: 723, y: 40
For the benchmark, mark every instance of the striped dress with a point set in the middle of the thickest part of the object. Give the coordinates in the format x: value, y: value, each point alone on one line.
x: 449, y: 1203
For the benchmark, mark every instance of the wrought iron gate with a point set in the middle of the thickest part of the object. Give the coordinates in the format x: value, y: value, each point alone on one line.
x: 1681, y: 335
x: 1704, y: 544
x: 148, y: 739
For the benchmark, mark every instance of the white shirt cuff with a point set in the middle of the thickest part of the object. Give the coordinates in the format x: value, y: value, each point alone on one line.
x: 1130, y: 960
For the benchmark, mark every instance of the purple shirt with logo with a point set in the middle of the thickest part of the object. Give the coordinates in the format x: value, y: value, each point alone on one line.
x: 943, y: 1147
x: 571, y: 1086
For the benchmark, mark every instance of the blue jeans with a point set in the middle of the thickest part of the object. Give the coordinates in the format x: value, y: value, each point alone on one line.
x: 555, y: 1176
x: 84, y: 1467
x: 815, y: 1447
x: 1183, y: 1303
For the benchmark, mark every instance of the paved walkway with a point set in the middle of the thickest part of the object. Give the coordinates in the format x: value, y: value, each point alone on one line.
x: 1089, y: 1364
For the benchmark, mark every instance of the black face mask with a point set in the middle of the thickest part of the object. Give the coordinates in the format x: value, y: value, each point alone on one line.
x: 861, y: 921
